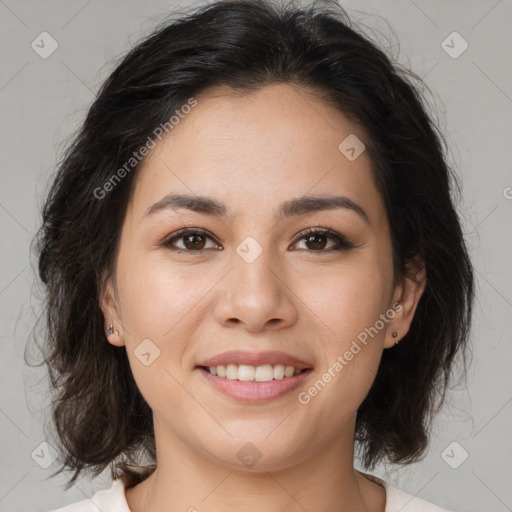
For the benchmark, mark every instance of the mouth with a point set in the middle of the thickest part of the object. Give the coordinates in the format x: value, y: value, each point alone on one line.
x: 254, y: 377
x: 250, y: 373
x: 234, y: 359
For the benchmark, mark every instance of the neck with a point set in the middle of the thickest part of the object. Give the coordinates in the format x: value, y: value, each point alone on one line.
x: 187, y: 480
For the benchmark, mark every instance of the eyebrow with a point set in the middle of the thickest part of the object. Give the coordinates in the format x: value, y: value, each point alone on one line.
x: 293, y: 207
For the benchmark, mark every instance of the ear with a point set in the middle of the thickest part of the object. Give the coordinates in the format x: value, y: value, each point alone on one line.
x: 407, y: 294
x: 109, y: 307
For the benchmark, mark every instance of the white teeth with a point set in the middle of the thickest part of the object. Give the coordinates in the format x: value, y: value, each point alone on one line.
x: 248, y: 373
x: 245, y: 372
x: 263, y: 373
x: 278, y: 371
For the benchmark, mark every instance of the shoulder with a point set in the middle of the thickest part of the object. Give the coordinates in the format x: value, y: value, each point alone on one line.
x: 108, y: 500
x: 398, y: 500
x: 401, y: 501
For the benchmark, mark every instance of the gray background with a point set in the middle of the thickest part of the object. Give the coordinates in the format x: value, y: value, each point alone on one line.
x: 44, y: 100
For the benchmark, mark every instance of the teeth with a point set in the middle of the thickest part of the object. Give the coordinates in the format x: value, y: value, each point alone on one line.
x: 249, y: 373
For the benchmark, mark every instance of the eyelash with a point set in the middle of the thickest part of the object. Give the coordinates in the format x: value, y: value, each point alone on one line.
x: 343, y: 243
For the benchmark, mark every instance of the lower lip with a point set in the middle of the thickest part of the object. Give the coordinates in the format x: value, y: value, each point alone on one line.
x: 255, y: 392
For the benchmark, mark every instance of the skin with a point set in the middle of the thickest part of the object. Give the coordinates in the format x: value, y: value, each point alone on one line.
x: 254, y: 152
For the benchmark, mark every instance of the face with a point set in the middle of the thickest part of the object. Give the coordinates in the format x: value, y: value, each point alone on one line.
x: 253, y: 279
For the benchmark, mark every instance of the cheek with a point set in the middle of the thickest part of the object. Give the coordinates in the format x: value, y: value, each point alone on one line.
x: 346, y: 299
x: 156, y: 296
x: 350, y: 305
x: 158, y: 305
x: 353, y: 309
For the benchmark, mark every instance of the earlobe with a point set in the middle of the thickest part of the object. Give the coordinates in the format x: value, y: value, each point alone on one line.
x: 393, y: 335
x: 108, y: 306
x: 407, y: 294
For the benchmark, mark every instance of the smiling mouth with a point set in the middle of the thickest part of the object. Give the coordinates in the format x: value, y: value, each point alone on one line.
x: 249, y: 373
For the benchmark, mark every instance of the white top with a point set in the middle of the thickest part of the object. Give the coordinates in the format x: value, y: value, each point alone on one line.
x: 113, y: 500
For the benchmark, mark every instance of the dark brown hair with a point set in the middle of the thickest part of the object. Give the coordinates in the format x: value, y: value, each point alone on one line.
x: 98, y: 412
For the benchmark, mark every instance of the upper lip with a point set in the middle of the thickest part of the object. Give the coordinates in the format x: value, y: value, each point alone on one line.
x: 239, y: 357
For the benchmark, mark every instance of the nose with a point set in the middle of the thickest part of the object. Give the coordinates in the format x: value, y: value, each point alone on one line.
x: 255, y: 295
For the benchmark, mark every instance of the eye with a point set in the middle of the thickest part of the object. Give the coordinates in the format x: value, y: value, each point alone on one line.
x: 316, y: 238
x: 194, y: 240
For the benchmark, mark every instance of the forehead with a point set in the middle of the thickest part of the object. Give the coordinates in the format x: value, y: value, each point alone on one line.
x: 271, y: 144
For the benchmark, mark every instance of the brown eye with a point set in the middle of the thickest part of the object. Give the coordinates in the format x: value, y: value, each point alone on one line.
x: 317, y: 240
x: 192, y: 240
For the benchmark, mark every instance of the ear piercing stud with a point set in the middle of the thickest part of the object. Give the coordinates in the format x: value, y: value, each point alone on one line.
x: 110, y: 330
x: 395, y: 334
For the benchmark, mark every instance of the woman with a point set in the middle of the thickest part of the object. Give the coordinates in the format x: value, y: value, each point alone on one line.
x: 254, y: 270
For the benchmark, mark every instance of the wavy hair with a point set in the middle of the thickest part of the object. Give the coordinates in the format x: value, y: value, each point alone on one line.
x: 99, y: 415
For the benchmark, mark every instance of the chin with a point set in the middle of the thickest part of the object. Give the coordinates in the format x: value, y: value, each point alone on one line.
x: 245, y: 453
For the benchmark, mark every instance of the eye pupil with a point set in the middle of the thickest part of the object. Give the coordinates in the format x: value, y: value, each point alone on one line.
x: 316, y: 237
x: 195, y: 243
